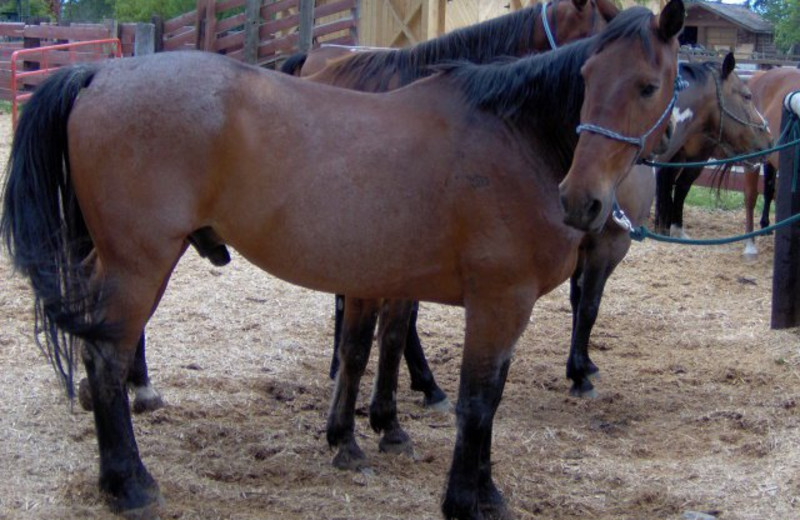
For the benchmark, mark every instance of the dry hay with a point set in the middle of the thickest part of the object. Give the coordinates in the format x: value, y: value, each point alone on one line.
x: 698, y: 406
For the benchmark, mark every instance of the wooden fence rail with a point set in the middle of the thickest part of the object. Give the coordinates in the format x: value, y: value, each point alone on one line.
x: 261, y: 32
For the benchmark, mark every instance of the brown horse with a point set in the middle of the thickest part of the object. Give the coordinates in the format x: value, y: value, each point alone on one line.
x: 540, y: 27
x: 769, y: 89
x: 711, y: 91
x: 469, y: 149
x: 515, y: 34
x: 716, y: 118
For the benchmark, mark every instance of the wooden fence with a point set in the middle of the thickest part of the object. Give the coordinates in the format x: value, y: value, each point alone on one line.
x: 260, y: 32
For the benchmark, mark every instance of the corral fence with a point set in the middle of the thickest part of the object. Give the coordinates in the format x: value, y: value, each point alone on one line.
x: 260, y: 32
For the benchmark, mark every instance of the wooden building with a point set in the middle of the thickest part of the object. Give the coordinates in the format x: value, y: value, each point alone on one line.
x: 726, y: 27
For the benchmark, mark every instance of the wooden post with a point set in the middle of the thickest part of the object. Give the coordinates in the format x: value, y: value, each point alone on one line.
x: 158, y: 33
x: 144, y: 41
x: 786, y: 266
x: 306, y: 25
x: 252, y: 16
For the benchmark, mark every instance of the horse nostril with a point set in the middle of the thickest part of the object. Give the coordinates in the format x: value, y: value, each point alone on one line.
x: 593, y: 209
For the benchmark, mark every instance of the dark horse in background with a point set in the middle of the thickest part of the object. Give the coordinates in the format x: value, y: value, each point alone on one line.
x: 501, y: 203
x: 705, y: 129
x: 515, y: 34
x: 769, y: 90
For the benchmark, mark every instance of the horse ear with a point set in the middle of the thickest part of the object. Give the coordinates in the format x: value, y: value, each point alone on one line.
x: 579, y: 4
x: 670, y: 21
x: 728, y: 65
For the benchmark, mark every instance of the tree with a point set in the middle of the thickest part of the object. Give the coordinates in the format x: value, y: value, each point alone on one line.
x: 143, y: 10
x: 785, y: 16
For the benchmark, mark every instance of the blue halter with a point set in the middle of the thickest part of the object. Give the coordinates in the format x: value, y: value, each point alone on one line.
x: 546, y: 25
x: 679, y: 85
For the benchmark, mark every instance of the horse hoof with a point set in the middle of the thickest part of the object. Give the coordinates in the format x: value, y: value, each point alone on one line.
x: 398, y: 443
x: 350, y: 458
x: 433, y: 398
x: 443, y: 406
x: 586, y: 390
x: 147, y: 400
x: 149, y: 512
x: 85, y: 395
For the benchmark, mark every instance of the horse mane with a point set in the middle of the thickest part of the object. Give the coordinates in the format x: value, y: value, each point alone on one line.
x: 480, y: 43
x: 510, y: 88
x: 697, y: 72
x: 524, y: 92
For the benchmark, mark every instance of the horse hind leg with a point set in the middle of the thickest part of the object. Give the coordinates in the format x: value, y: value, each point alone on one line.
x: 210, y: 245
x: 422, y: 379
x: 769, y: 193
x: 392, y: 331
x: 146, y: 397
x: 360, y: 317
x: 128, y: 301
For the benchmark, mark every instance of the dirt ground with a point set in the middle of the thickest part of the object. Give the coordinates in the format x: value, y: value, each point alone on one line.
x: 698, y: 406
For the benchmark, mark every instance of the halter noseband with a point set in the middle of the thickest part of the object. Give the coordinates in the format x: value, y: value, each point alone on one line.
x: 639, y: 142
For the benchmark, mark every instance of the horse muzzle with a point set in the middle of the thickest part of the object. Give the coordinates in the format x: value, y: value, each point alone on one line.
x: 583, y: 211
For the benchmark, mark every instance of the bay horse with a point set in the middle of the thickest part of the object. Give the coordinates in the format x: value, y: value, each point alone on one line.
x: 515, y: 34
x: 769, y: 90
x: 717, y: 120
x: 538, y: 27
x: 712, y: 89
x: 496, y: 223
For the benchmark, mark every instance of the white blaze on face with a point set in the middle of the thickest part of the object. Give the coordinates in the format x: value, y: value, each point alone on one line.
x: 763, y: 121
x: 679, y: 116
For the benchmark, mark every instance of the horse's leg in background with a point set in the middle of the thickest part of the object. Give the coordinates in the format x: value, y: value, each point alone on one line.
x: 683, y: 183
x: 665, y: 181
x: 494, y: 323
x: 393, y: 324
x: 750, y: 196
x: 146, y: 397
x: 769, y: 192
x: 209, y: 245
x: 422, y: 379
x: 337, y: 334
x: 360, y: 317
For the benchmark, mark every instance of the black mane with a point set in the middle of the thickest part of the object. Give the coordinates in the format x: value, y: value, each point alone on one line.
x: 479, y: 43
x: 543, y: 93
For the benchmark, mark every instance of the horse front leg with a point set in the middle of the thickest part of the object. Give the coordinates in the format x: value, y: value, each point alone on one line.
x: 683, y: 184
x: 750, y: 196
x: 665, y: 181
x: 392, y: 331
x: 769, y: 192
x: 493, y: 327
x: 360, y: 317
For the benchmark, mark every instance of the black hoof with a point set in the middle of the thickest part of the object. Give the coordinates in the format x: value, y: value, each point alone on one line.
x: 136, y: 498
x: 396, y: 441
x: 147, y: 400
x: 350, y: 457
x: 583, y: 389
x: 434, y: 397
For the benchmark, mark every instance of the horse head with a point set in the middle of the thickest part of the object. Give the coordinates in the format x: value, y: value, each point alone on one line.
x: 630, y: 89
x: 570, y: 20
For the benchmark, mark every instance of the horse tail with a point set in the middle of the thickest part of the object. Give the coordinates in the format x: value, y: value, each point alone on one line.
x: 43, y: 228
x: 294, y: 63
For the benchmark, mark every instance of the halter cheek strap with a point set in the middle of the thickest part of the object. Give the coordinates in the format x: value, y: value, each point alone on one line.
x: 639, y: 142
x: 549, y: 33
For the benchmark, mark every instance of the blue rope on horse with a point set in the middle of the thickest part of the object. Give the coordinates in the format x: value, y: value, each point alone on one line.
x: 546, y: 25
x: 738, y: 158
x: 640, y: 233
x: 679, y: 85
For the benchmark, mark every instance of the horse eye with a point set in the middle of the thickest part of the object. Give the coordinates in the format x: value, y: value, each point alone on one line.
x: 648, y: 90
x: 747, y: 96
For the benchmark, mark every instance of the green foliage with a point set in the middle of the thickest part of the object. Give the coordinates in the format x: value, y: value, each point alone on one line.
x: 143, y: 10
x: 30, y: 8
x: 785, y: 15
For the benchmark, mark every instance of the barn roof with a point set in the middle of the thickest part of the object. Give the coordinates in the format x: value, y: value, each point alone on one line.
x: 736, y: 14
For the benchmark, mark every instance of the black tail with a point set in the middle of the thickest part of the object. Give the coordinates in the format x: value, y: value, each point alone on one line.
x: 42, y: 226
x: 294, y: 63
